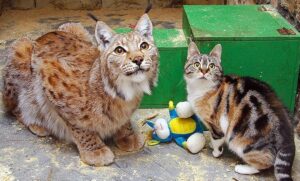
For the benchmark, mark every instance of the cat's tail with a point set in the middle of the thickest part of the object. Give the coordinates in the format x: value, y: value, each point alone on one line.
x: 284, y: 162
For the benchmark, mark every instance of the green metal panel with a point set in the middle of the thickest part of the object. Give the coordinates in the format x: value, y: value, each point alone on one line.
x: 236, y: 22
x: 172, y: 48
x: 170, y: 83
x: 252, y: 46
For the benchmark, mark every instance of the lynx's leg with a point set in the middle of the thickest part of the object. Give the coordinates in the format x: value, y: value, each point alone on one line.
x: 127, y: 140
x: 34, y: 128
x: 91, y: 148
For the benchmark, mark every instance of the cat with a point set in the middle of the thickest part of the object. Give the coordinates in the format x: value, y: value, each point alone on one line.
x: 62, y: 84
x: 241, y: 111
x: 297, y: 114
x: 298, y: 129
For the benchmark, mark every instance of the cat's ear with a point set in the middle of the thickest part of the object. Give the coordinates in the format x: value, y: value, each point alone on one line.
x: 103, y: 34
x: 193, y: 50
x: 144, y: 26
x: 216, y: 52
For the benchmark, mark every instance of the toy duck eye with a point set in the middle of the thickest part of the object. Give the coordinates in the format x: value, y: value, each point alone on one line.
x: 212, y: 66
x: 144, y: 46
x: 119, y: 50
x: 196, y: 64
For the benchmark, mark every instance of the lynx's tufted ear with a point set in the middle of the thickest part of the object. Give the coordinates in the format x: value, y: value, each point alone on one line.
x: 192, y: 50
x: 103, y: 34
x: 144, y: 26
x: 216, y: 52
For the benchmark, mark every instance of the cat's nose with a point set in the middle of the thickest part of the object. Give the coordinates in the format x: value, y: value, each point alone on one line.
x: 204, y: 71
x: 138, y: 60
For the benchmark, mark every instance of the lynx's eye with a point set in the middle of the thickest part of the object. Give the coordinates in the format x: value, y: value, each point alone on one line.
x: 144, y: 46
x: 212, y: 66
x: 119, y: 50
x: 196, y: 64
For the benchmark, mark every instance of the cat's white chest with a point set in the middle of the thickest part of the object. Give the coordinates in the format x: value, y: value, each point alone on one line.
x: 197, y: 89
x: 224, y: 123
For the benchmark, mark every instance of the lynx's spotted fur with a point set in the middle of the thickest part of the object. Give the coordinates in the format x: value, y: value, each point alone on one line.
x: 62, y: 84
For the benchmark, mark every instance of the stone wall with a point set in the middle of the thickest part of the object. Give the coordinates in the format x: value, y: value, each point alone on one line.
x: 90, y: 4
x: 290, y: 9
x: 97, y: 4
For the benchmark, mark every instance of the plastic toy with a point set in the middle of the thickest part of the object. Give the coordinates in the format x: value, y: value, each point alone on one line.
x: 184, y: 127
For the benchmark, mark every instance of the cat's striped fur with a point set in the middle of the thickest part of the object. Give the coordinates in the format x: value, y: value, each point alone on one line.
x: 243, y: 112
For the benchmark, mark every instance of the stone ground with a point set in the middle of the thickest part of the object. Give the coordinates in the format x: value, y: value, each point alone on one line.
x: 23, y: 156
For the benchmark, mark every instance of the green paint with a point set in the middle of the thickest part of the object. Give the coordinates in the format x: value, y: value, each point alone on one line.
x: 251, y: 44
x: 236, y: 23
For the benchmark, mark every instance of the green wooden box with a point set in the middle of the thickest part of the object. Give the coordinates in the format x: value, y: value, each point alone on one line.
x: 172, y: 46
x: 256, y: 42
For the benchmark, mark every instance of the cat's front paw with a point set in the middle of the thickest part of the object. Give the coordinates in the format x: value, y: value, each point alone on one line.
x: 217, y: 152
x: 99, y: 157
x: 133, y: 142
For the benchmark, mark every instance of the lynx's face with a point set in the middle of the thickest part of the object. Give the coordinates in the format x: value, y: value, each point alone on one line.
x: 129, y: 61
x: 131, y: 56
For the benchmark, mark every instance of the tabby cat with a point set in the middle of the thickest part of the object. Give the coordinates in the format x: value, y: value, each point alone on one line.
x: 241, y: 111
x: 62, y: 84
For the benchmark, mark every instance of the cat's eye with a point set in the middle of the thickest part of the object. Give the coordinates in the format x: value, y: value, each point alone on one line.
x: 196, y: 64
x: 144, y: 46
x: 212, y: 66
x: 119, y: 50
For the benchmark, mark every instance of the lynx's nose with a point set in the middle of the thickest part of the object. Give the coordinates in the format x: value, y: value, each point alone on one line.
x: 138, y: 60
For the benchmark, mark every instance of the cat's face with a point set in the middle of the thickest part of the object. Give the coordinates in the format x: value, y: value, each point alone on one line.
x: 132, y: 56
x: 201, y: 67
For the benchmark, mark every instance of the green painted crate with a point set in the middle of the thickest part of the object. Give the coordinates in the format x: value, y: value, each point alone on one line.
x: 172, y: 47
x: 252, y: 44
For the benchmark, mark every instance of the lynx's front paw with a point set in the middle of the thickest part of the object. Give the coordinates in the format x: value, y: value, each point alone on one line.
x: 132, y: 142
x: 98, y: 157
x: 38, y: 130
